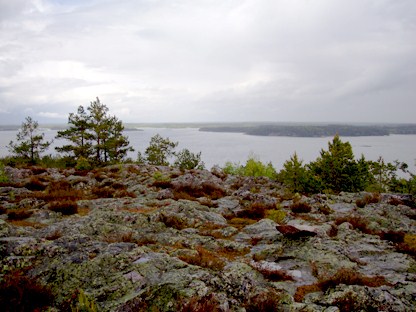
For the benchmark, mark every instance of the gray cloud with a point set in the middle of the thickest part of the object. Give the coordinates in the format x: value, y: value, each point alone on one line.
x: 183, y: 60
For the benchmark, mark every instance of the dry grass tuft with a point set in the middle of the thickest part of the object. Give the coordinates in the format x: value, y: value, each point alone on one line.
x: 347, y: 276
x: 357, y: 223
x: 66, y: 207
x: 256, y: 210
x: 21, y: 293
x: 25, y: 223
x: 19, y: 214
x: 201, y: 304
x: 300, y: 207
x: 373, y: 198
x: 240, y: 223
x: 35, y: 184
x: 204, y: 258
x: 268, y: 301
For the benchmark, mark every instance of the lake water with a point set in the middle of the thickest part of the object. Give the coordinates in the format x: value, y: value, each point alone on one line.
x: 218, y: 148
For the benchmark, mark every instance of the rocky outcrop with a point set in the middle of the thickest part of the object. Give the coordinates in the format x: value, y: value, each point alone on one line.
x: 145, y: 238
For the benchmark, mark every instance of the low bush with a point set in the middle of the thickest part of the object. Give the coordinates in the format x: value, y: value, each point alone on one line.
x: 240, y: 223
x: 256, y: 210
x: 19, y: 214
x: 368, y: 199
x: 192, y: 192
x: 300, y: 207
x: 275, y: 275
x: 201, y: 304
x: 347, y: 276
x: 357, y: 223
x: 19, y: 292
x: 393, y: 236
x: 277, y: 215
x: 35, y: 184
x: 66, y: 207
x: 173, y: 221
x: 204, y: 258
x: 408, y: 245
x: 57, y: 191
x: 268, y: 301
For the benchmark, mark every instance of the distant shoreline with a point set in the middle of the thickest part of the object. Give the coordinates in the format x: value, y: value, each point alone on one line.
x: 308, y: 130
x: 267, y: 129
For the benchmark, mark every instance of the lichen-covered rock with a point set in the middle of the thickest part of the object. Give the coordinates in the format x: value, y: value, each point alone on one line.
x: 156, y: 252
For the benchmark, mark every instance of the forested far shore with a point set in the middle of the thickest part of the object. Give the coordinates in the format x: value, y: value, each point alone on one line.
x: 309, y: 130
x: 266, y: 129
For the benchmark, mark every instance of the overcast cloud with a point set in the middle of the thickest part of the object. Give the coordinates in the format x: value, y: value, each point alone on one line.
x: 209, y: 60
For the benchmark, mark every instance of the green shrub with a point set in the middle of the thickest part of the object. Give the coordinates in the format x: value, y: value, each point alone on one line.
x: 277, y: 215
x: 83, y: 164
x: 252, y: 168
x: 188, y: 160
x: 3, y: 176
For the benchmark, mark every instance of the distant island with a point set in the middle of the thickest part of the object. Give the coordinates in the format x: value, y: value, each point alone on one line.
x: 287, y: 129
x: 313, y: 130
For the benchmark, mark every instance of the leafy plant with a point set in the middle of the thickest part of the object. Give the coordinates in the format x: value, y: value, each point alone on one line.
x: 84, y: 303
x: 277, y: 215
x: 252, y: 168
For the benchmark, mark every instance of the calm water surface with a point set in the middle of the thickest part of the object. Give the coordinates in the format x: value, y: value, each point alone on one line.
x: 218, y: 148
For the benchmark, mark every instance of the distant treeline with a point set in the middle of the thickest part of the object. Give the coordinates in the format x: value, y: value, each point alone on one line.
x: 316, y: 130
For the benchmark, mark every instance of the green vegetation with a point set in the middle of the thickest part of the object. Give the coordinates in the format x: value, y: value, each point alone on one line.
x: 253, y: 167
x: 96, y: 136
x: 336, y: 170
x: 3, y: 176
x: 161, y: 150
x: 30, y: 143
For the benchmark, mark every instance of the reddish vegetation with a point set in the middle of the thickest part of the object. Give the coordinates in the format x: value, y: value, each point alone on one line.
x: 66, y: 207
x: 35, y: 184
x: 204, y: 258
x: 368, y: 199
x: 357, y: 223
x: 19, y: 292
x: 275, y: 275
x: 256, y: 210
x: 202, y: 304
x: 300, y: 207
x: 19, y: 214
x: 191, y: 192
x: 268, y: 301
x: 125, y: 237
x: 345, y: 276
x: 292, y: 232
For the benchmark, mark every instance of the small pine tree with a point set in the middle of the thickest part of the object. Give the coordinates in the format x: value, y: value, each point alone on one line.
x: 188, y: 160
x: 30, y: 143
x: 159, y: 151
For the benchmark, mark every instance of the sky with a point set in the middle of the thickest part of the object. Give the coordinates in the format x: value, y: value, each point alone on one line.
x: 209, y: 60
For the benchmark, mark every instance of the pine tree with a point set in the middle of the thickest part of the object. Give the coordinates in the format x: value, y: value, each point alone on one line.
x: 159, y: 151
x: 30, y: 142
x: 336, y: 166
x: 78, y: 134
x: 294, y: 174
x: 95, y: 136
